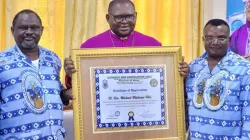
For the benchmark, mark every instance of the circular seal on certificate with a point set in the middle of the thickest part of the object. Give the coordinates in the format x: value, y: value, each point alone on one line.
x: 153, y: 82
x: 105, y: 84
x: 131, y: 115
x: 117, y: 113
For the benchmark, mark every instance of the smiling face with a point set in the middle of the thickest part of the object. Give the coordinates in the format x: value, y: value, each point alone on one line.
x: 27, y: 31
x: 216, y: 40
x: 123, y: 10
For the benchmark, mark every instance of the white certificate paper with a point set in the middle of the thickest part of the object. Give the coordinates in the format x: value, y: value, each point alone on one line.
x: 129, y: 96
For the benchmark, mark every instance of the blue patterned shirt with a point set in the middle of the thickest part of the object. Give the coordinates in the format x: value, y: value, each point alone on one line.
x: 219, y: 101
x: 30, y: 103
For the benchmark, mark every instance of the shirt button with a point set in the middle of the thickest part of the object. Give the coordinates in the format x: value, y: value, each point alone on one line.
x: 48, y: 101
x: 51, y: 117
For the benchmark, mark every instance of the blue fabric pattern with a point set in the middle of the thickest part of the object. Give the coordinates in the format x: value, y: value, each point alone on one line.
x: 30, y: 103
x: 219, y: 101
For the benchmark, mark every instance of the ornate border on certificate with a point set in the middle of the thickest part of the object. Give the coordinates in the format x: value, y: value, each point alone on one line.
x: 130, y: 123
x: 78, y: 104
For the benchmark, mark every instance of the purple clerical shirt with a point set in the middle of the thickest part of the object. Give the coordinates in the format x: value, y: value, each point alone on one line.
x: 240, y: 40
x: 108, y: 39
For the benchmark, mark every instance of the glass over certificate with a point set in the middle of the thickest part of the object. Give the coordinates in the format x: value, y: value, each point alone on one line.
x: 129, y: 98
x: 128, y: 94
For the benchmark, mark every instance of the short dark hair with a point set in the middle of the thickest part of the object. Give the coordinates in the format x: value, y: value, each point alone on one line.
x: 25, y: 11
x: 217, y: 22
x: 114, y: 2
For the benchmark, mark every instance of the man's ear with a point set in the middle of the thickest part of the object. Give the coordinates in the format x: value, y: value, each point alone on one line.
x: 42, y: 30
x: 135, y: 15
x: 107, y: 17
x: 12, y: 30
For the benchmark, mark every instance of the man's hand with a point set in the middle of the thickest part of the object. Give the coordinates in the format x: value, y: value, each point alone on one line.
x: 183, y: 68
x: 69, y: 67
x: 247, y: 57
x: 68, y: 95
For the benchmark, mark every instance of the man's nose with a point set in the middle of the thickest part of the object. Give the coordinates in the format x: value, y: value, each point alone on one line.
x: 29, y: 31
x: 215, y: 41
x: 124, y: 20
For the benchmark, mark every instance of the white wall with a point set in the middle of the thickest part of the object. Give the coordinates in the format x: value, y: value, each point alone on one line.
x: 214, y: 9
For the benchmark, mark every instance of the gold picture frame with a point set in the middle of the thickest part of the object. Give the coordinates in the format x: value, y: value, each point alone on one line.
x: 84, y: 118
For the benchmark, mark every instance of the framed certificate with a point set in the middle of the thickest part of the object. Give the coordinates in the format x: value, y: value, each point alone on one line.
x: 128, y: 94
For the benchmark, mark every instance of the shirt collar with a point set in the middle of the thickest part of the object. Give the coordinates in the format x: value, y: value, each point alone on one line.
x: 224, y: 61
x: 18, y: 52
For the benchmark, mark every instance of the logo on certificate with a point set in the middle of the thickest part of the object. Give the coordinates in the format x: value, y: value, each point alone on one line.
x: 153, y: 82
x: 131, y: 116
x: 117, y: 113
x: 105, y: 84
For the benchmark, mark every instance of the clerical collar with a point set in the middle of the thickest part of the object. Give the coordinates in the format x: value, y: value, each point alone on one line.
x: 122, y: 38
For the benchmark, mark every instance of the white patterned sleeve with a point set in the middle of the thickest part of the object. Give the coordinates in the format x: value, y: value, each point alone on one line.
x: 245, y: 102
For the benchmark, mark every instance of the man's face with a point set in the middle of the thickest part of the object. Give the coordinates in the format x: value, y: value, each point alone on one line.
x: 216, y: 40
x: 122, y: 19
x: 248, y: 14
x: 27, y: 31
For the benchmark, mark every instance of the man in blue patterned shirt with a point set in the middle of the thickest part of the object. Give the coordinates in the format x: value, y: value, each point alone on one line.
x: 30, y: 89
x: 218, y: 89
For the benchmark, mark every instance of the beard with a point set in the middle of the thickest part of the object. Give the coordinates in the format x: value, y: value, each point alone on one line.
x: 28, y: 45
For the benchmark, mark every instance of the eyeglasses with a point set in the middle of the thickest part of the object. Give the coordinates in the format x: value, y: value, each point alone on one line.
x: 210, y: 39
x: 120, y: 18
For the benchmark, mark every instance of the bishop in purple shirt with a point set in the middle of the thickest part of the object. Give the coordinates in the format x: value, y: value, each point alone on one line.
x: 110, y: 39
x: 121, y: 18
x: 240, y: 39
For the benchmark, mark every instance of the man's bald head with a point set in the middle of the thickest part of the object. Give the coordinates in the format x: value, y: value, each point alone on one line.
x: 115, y: 2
